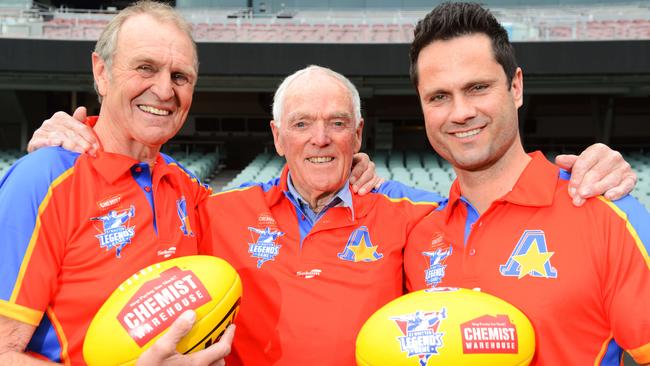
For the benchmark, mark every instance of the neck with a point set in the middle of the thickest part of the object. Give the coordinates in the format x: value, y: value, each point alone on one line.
x: 316, y: 200
x: 483, y: 187
x: 115, y: 141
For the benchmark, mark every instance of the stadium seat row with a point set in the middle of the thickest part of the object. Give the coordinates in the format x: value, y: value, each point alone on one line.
x: 420, y: 169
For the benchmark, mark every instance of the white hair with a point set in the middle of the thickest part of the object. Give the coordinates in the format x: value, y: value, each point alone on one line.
x: 279, y: 97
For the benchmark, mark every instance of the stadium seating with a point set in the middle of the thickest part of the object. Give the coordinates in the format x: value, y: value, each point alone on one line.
x: 529, y: 23
x: 202, y: 165
x: 7, y: 158
x: 421, y: 169
x: 263, y: 168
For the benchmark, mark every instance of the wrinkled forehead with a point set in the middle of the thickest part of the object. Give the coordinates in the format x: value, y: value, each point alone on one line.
x: 317, y: 94
x: 146, y: 31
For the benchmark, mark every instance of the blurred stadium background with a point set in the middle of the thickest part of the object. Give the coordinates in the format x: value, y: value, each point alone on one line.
x: 586, y: 65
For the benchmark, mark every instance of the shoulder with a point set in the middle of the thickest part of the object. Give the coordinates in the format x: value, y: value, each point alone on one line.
x: 183, y: 171
x: 397, y: 192
x: 247, y: 193
x: 174, y: 163
x: 40, y: 168
x: 629, y: 211
x: 251, y: 187
x: 31, y: 181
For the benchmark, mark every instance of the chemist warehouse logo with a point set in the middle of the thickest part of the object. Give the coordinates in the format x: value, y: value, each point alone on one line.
x: 115, y: 231
x: 155, y: 306
x: 421, y: 337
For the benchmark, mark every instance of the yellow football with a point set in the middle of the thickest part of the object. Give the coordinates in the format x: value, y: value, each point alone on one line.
x: 140, y: 310
x: 446, y: 326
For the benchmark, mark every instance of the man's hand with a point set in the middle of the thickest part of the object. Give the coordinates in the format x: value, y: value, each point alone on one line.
x: 598, y: 170
x: 66, y: 131
x: 163, y: 351
x: 364, y: 177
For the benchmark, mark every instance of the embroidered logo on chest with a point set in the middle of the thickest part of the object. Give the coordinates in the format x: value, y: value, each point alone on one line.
x: 264, y: 248
x: 115, y: 231
x: 181, y: 209
x: 530, y: 257
x: 359, y: 247
x: 437, y: 257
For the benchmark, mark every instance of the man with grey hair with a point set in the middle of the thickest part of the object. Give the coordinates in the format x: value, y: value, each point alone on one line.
x: 58, y: 264
x: 315, y: 258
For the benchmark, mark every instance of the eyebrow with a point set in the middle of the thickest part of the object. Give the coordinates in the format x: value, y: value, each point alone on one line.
x: 479, y: 81
x: 293, y: 116
x: 465, y: 86
x: 189, y: 70
x: 345, y: 115
x: 298, y: 115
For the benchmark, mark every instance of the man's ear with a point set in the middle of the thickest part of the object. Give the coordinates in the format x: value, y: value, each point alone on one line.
x: 517, y: 87
x: 101, y: 74
x: 358, y: 136
x: 276, y: 138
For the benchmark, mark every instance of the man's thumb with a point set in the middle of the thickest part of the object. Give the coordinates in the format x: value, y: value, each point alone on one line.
x: 180, y: 327
x: 80, y: 114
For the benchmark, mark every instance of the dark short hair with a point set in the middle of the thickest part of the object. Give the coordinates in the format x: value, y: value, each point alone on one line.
x: 450, y: 20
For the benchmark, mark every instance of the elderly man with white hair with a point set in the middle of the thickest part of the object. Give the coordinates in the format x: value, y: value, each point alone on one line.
x: 316, y: 259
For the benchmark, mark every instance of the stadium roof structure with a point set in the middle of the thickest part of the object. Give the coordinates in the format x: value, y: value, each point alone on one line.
x: 595, y: 49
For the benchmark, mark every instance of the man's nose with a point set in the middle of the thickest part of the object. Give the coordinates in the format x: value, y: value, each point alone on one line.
x: 320, y: 135
x: 463, y: 110
x: 163, y: 87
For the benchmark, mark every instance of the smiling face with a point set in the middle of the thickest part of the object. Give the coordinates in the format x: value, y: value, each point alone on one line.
x: 317, y: 134
x: 147, y: 92
x: 469, y: 108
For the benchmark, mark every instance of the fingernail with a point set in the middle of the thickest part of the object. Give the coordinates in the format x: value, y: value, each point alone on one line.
x: 578, y: 201
x: 362, y: 191
x: 572, y: 191
x: 189, y: 316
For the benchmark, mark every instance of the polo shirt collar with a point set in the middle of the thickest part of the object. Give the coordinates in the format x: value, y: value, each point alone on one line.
x: 112, y: 166
x: 344, y: 195
x: 534, y: 188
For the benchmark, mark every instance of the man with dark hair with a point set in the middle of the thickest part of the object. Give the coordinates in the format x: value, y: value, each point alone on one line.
x: 439, y: 25
x: 582, y: 276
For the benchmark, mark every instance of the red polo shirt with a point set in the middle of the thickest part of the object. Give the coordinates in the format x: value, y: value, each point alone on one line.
x: 581, y: 275
x: 75, y: 227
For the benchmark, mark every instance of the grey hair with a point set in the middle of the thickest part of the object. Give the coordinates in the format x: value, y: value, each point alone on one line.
x: 107, y: 43
x: 278, y: 98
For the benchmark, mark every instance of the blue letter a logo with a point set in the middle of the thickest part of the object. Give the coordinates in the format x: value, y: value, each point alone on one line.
x: 530, y: 257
